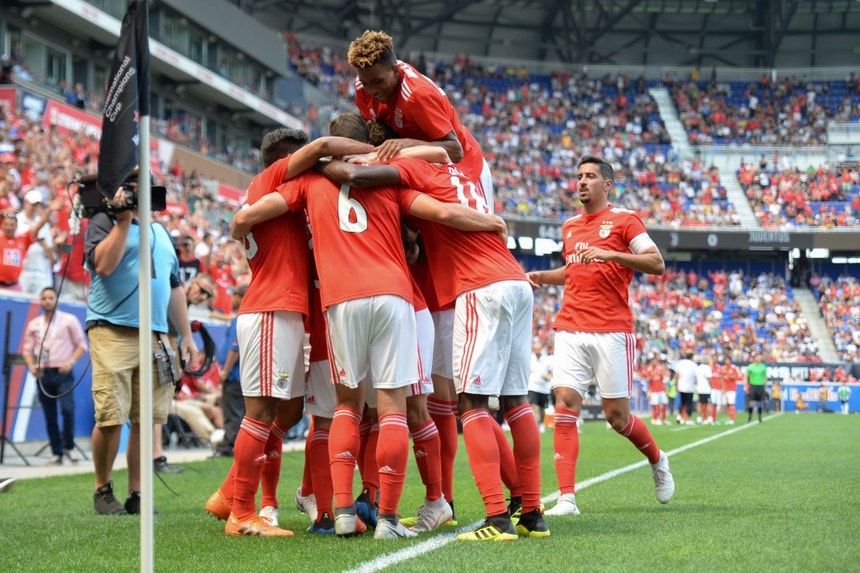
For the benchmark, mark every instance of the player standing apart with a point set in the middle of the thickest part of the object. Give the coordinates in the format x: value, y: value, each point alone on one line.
x: 602, y: 247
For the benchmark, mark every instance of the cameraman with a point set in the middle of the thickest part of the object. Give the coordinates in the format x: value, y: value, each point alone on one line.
x: 111, y: 246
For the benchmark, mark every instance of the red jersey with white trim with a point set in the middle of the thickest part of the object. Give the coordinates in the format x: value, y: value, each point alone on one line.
x: 277, y: 252
x: 460, y: 261
x: 421, y: 110
x: 14, y: 250
x: 596, y: 295
x: 357, y: 243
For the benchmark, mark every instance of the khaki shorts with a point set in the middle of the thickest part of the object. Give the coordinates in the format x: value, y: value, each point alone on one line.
x: 115, y: 357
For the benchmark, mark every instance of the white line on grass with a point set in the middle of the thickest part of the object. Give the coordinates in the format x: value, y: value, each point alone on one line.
x: 440, y: 540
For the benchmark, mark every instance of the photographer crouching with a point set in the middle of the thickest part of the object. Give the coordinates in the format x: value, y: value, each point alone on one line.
x: 111, y: 251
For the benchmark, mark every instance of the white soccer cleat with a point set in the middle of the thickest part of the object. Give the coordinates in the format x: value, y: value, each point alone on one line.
x: 566, y: 505
x: 270, y: 514
x: 664, y: 483
x: 387, y: 530
x: 432, y: 515
x: 307, y: 504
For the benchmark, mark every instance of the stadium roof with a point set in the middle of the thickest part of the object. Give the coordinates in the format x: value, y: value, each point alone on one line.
x: 731, y: 33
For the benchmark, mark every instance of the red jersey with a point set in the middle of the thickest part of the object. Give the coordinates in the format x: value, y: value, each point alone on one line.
x: 731, y: 375
x: 421, y: 110
x: 357, y: 243
x: 318, y: 338
x: 13, y: 250
x: 656, y: 374
x: 421, y: 275
x: 596, y: 295
x: 716, y: 378
x: 460, y: 261
x: 277, y: 252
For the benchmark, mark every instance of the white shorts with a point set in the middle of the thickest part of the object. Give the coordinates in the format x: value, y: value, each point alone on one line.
x: 492, y: 339
x: 424, y: 324
x: 320, y: 394
x: 443, y: 344
x: 717, y: 397
x: 605, y: 358
x: 373, y: 337
x: 729, y: 397
x: 658, y: 399
x: 272, y: 356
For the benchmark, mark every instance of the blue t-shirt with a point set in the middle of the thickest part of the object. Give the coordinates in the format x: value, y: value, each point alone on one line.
x: 115, y: 298
x: 230, y: 342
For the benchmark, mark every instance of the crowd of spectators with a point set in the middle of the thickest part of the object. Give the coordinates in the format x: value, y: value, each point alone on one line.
x: 840, y: 307
x: 37, y: 165
x: 727, y: 313
x: 824, y: 196
x: 792, y: 111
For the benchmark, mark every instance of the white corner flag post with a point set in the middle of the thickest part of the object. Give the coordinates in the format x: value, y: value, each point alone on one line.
x: 144, y: 198
x: 124, y: 144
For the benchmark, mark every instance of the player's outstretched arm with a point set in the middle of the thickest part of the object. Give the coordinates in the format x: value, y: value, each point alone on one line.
x: 328, y: 146
x: 553, y: 277
x: 395, y: 147
x: 268, y: 207
x: 455, y: 215
x: 359, y: 175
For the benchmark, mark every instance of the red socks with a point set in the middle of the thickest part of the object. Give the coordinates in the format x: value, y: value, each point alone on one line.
x: 427, y: 448
x: 484, y: 458
x: 524, y: 431
x: 320, y: 469
x: 444, y: 415
x: 392, y: 453
x: 249, y: 458
x: 343, y: 446
x: 637, y: 432
x: 272, y: 468
x: 566, y: 448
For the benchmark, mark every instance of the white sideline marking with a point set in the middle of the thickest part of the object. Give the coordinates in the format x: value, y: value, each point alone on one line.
x: 440, y: 540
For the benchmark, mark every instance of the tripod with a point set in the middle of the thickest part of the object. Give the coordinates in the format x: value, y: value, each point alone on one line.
x: 9, y: 360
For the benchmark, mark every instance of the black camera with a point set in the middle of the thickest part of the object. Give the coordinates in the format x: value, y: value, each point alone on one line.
x: 93, y: 201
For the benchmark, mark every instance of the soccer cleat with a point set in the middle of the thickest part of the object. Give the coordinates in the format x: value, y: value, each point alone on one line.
x: 307, y: 504
x: 515, y: 508
x: 532, y: 524
x: 132, y: 504
x: 105, y: 503
x: 322, y: 526
x: 489, y: 532
x: 366, y: 508
x: 347, y: 522
x: 219, y: 506
x: 270, y: 514
x: 6, y: 484
x: 161, y: 466
x: 664, y: 484
x: 430, y: 516
x: 566, y: 505
x: 386, y: 529
x: 254, y: 525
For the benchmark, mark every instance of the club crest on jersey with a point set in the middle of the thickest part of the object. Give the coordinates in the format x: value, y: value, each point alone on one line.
x: 398, y: 118
x: 605, y: 229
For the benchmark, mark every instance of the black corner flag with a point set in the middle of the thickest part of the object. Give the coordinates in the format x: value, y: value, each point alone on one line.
x: 126, y: 100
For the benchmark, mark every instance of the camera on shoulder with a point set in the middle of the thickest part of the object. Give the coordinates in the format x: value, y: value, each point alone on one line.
x: 94, y: 201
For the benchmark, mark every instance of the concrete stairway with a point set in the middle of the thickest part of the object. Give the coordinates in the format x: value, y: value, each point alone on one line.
x: 672, y: 122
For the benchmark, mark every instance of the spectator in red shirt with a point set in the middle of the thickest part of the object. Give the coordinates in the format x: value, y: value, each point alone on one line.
x: 14, y: 248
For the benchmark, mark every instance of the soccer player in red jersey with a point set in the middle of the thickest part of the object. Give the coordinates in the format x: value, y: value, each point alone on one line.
x: 491, y: 340
x: 271, y: 317
x: 370, y: 317
x: 656, y: 372
x: 602, y: 247
x: 398, y: 95
x: 731, y: 375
